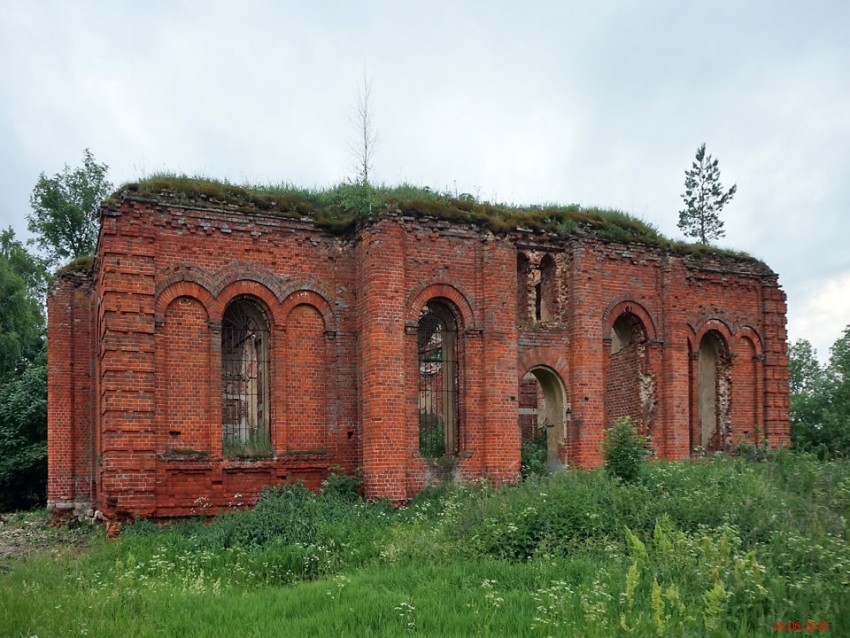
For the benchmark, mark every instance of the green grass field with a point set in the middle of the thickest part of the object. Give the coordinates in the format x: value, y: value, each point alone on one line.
x: 716, y: 547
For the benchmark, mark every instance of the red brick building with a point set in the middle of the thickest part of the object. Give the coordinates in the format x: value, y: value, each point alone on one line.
x: 211, y: 351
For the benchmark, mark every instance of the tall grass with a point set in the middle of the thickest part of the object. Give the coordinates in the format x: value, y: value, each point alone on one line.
x: 718, y: 547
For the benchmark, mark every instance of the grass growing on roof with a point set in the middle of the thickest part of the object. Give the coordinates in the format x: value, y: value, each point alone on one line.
x: 83, y: 263
x: 339, y: 207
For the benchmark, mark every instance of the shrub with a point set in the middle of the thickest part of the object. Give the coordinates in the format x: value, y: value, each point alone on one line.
x: 432, y: 439
x: 533, y: 457
x: 624, y: 450
x: 23, y: 438
x: 346, y: 486
x: 758, y: 451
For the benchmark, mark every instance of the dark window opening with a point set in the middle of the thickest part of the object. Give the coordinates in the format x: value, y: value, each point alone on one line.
x: 438, y: 381
x: 546, y: 293
x: 245, y: 379
x: 524, y: 310
x: 538, y: 302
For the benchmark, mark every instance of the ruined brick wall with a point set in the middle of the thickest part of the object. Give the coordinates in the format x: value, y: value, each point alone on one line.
x: 165, y: 276
x: 622, y: 385
x: 675, y: 301
x: 404, y: 264
x: 139, y: 392
x: 71, y: 393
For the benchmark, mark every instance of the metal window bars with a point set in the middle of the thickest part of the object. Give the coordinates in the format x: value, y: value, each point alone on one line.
x: 438, y: 381
x: 245, y: 375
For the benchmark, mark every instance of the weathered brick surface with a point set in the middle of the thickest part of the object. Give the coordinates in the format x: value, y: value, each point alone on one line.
x: 71, y: 359
x: 135, y: 360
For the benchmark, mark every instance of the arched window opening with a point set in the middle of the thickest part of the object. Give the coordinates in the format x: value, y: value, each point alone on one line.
x: 438, y: 381
x: 524, y: 298
x: 245, y: 379
x: 545, y: 290
x: 746, y: 385
x: 714, y: 392
x: 630, y: 386
x: 626, y: 330
x: 538, y: 295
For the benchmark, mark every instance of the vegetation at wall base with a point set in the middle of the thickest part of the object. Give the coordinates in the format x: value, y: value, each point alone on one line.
x: 624, y: 450
x: 533, y: 454
x: 717, y: 547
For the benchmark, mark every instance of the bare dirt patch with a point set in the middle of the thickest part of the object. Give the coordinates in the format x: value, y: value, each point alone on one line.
x: 23, y: 534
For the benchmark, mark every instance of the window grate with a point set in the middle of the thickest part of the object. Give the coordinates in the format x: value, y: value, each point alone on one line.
x: 245, y: 375
x: 438, y: 382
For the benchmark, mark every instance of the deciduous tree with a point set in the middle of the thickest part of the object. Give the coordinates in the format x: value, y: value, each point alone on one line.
x: 31, y: 268
x: 358, y: 194
x: 820, y: 398
x: 806, y: 385
x: 23, y: 437
x: 21, y: 320
x: 363, y: 148
x: 23, y: 376
x: 64, y: 214
x: 837, y: 395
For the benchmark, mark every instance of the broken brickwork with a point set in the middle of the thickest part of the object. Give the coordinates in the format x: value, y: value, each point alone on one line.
x: 212, y: 352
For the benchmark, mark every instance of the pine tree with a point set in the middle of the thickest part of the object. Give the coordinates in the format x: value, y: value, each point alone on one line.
x: 704, y: 199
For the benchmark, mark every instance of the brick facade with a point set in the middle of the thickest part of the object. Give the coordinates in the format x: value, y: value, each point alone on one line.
x: 143, y: 379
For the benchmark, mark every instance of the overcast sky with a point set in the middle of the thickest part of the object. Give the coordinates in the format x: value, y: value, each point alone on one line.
x: 600, y: 103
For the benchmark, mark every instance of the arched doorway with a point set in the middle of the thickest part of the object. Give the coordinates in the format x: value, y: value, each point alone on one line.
x: 543, y: 413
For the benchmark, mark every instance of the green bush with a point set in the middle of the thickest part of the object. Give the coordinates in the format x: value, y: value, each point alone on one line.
x: 624, y: 450
x: 820, y: 399
x: 533, y: 457
x: 291, y: 534
x: 432, y: 437
x: 23, y: 438
x: 342, y: 484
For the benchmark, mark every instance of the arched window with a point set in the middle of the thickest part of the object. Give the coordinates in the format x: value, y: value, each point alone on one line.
x: 438, y: 381
x: 245, y: 378
x: 624, y: 332
x: 629, y: 384
x: 545, y: 290
x: 523, y: 280
x: 714, y: 392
